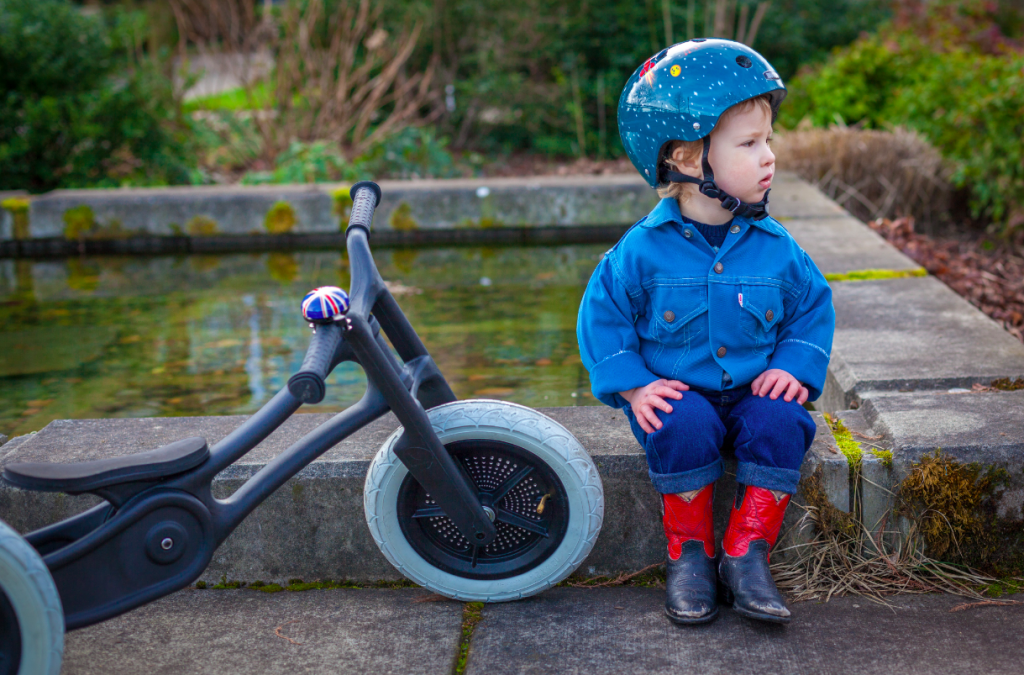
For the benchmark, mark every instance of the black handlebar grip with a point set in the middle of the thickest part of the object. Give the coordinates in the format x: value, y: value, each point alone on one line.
x: 308, y: 385
x: 365, y: 198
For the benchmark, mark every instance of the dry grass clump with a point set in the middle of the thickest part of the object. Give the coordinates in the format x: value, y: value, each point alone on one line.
x: 845, y: 558
x: 871, y: 173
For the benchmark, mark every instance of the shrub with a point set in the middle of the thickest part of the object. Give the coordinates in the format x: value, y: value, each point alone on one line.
x: 76, y: 110
x: 870, y: 172
x: 317, y: 162
x: 964, y: 99
x: 411, y: 153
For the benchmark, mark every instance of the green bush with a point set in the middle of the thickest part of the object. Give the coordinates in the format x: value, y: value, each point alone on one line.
x: 411, y: 153
x: 317, y: 162
x: 969, y: 105
x: 78, y: 110
x: 545, y: 75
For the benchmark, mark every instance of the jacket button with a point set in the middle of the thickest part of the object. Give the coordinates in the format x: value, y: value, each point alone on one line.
x: 719, y: 267
x: 734, y: 229
x: 670, y: 316
x: 769, y: 315
x: 687, y: 234
x: 721, y: 352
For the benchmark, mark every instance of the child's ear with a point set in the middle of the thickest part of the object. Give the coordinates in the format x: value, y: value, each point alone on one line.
x: 690, y: 165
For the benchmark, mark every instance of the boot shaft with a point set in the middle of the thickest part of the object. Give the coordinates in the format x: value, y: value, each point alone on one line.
x: 687, y: 520
x: 757, y: 515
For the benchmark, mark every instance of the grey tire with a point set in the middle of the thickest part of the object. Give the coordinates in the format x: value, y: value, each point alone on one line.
x: 520, y: 426
x: 30, y: 591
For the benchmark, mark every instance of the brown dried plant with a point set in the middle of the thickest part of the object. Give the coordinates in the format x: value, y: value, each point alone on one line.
x: 873, y: 174
x: 337, y: 75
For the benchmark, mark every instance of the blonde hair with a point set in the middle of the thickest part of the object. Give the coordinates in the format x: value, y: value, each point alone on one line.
x: 682, y: 192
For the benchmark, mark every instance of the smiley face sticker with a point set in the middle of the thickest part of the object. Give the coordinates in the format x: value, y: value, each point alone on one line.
x: 675, y: 70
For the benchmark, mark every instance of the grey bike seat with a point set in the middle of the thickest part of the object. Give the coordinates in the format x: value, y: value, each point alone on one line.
x: 101, y: 473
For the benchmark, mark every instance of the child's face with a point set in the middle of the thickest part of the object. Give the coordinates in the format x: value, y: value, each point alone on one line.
x: 743, y: 162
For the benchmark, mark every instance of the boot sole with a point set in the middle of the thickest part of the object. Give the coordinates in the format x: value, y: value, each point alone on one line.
x: 760, y: 616
x: 682, y: 621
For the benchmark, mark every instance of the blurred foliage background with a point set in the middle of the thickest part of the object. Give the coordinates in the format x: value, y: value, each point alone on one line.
x: 114, y: 92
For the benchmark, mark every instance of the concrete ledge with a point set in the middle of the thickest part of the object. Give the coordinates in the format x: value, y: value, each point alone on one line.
x: 313, y: 527
x: 911, y: 334
x: 485, y: 203
x: 843, y: 244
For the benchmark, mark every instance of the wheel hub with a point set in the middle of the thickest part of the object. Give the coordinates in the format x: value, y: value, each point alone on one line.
x: 519, y: 493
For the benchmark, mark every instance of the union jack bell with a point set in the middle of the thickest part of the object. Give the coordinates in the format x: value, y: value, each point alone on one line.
x: 324, y: 304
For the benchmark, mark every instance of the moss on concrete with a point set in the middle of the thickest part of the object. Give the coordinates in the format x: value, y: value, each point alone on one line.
x: 885, y: 456
x: 956, y: 507
x: 78, y: 222
x: 472, y: 614
x: 280, y: 219
x: 401, y: 218
x: 1006, y: 384
x: 201, y: 226
x: 832, y: 522
x: 844, y: 439
x: 873, y: 274
x: 18, y: 207
x: 342, y: 204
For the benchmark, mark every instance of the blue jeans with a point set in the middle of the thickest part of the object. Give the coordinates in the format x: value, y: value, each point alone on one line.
x: 770, y: 438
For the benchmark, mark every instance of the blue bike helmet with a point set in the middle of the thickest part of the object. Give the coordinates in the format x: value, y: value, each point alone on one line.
x: 679, y: 94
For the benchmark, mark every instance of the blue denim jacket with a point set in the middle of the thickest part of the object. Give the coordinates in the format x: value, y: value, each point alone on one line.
x: 663, y: 304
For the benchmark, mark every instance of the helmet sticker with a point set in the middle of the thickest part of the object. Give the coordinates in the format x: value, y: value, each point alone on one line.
x: 675, y: 70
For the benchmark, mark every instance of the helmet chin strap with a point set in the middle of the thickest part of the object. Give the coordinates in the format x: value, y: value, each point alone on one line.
x: 755, y: 211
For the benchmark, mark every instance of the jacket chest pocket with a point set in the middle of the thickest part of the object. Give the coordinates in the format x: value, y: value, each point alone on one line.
x: 679, y: 314
x: 763, y: 312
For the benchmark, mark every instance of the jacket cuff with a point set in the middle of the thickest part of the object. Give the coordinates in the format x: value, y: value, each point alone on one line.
x: 619, y: 372
x: 805, y: 361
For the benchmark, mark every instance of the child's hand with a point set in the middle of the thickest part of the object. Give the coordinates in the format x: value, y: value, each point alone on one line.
x: 644, y: 400
x: 777, y: 381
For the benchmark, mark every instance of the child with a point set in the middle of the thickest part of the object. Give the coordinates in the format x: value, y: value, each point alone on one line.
x: 709, y: 296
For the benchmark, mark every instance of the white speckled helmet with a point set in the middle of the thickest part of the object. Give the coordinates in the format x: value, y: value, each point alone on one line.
x: 680, y: 94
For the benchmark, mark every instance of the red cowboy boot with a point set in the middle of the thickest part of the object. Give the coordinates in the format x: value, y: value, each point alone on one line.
x: 743, y: 574
x: 691, y: 557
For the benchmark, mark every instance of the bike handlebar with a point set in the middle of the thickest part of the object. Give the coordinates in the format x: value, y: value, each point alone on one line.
x: 308, y: 384
x: 365, y: 198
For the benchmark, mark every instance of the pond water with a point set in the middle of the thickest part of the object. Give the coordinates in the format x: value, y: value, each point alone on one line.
x: 219, y: 335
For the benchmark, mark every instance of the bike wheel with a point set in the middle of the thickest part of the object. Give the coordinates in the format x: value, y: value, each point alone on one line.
x: 529, y: 471
x: 31, y: 618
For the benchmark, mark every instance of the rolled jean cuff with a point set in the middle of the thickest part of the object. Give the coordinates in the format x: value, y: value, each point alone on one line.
x: 768, y: 477
x: 684, y: 481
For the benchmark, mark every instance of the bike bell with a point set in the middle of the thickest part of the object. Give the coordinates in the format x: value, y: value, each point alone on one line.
x: 324, y: 305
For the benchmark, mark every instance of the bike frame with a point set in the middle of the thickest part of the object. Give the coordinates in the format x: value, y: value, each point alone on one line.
x: 105, y: 561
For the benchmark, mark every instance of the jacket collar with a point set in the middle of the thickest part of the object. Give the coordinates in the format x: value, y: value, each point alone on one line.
x: 667, y: 211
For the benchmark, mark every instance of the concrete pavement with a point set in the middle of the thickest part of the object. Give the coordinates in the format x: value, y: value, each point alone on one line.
x: 565, y: 630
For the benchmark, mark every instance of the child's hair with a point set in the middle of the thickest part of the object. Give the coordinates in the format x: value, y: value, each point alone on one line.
x: 694, y: 149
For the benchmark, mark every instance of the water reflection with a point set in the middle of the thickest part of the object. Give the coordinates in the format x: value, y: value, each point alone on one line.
x: 216, y: 335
